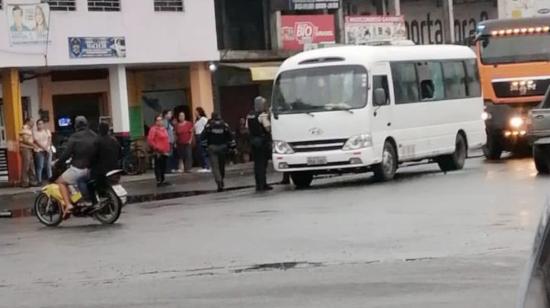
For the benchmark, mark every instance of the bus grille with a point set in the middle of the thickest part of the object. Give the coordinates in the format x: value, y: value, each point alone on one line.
x: 318, y: 145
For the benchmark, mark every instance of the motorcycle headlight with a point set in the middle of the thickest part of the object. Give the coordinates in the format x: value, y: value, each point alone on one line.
x: 358, y: 142
x: 281, y: 147
x: 516, y: 122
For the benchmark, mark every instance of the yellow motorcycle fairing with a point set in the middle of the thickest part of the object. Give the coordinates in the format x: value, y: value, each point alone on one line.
x: 53, y: 191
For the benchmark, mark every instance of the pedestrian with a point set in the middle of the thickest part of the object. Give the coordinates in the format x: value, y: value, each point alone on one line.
x: 26, y: 147
x: 184, y: 134
x: 200, y: 123
x: 171, y: 163
x: 43, y: 151
x: 159, y: 141
x: 243, y: 142
x: 259, y: 127
x: 218, y: 139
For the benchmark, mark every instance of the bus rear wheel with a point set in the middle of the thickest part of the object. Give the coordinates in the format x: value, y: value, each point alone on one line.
x: 456, y: 160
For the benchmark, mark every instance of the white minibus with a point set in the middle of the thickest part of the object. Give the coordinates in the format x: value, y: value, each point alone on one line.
x: 372, y: 108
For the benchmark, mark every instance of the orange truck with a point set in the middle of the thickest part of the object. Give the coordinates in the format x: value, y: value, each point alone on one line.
x: 514, y: 66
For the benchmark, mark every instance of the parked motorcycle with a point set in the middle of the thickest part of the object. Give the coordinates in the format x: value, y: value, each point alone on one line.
x: 49, y: 206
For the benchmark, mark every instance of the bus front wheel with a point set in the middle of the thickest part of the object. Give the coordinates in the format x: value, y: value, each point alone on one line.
x: 302, y: 180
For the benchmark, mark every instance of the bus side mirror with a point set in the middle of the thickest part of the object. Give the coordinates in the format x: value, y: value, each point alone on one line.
x: 380, y: 97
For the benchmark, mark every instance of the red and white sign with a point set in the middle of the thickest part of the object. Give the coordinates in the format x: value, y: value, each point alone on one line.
x: 299, y: 31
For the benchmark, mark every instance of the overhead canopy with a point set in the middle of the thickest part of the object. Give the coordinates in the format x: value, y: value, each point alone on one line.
x: 259, y: 71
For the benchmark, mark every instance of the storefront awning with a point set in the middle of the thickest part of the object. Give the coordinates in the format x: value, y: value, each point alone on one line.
x: 259, y: 71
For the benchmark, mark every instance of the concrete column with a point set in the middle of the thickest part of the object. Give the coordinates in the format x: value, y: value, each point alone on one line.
x: 119, y: 100
x: 46, y: 99
x: 201, y: 87
x: 397, y: 7
x: 448, y: 21
x: 13, y: 114
x: 276, y: 39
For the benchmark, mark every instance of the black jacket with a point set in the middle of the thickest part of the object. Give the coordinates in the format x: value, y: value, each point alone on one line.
x: 81, y: 148
x: 217, y: 132
x: 108, y: 155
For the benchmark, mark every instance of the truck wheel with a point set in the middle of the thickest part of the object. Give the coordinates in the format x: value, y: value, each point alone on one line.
x: 542, y: 159
x: 493, y: 148
x: 302, y: 180
x: 385, y: 171
x: 456, y: 160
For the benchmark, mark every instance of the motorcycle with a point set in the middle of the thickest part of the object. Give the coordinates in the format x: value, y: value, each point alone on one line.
x: 50, y: 208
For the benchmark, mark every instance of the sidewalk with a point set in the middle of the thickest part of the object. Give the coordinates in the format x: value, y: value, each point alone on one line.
x: 142, y: 188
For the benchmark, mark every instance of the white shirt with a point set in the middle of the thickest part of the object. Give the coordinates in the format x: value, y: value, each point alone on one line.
x: 200, y: 125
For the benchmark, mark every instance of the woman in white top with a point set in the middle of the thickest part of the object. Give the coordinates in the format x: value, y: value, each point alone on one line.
x: 43, y: 150
x: 200, y: 124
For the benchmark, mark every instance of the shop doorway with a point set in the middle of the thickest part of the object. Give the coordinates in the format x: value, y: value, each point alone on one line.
x: 68, y: 107
x: 236, y: 103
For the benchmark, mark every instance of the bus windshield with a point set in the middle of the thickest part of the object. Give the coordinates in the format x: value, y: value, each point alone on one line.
x: 320, y: 89
x: 515, y: 49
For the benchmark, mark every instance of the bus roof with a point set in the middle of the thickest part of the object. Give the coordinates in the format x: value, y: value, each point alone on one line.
x: 487, y: 26
x: 372, y: 54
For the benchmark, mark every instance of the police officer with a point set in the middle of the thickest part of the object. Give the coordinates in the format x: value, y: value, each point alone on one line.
x: 259, y: 128
x: 218, y: 139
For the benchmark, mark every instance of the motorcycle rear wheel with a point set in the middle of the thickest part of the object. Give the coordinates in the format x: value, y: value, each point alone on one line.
x: 48, y: 211
x: 111, y: 208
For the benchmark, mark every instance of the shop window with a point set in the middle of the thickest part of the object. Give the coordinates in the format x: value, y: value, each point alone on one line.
x: 104, y: 5
x: 62, y: 5
x: 169, y: 6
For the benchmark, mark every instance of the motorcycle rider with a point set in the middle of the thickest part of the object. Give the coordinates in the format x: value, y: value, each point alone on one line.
x: 81, y: 149
x: 108, y: 155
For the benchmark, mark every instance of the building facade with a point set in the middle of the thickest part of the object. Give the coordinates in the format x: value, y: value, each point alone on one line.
x: 118, y: 60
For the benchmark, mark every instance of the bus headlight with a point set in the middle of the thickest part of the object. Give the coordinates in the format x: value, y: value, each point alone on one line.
x: 516, y: 122
x: 358, y: 142
x: 281, y: 147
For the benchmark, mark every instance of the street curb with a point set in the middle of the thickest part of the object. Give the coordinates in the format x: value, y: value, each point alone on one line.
x: 158, y: 196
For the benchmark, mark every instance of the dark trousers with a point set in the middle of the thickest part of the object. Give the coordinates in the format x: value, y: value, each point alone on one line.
x: 260, y: 154
x: 217, y: 154
x: 160, y: 167
x: 185, y: 154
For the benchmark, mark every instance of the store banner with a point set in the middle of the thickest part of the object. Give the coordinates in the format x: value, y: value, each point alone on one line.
x: 300, y: 31
x: 523, y: 8
x: 97, y: 47
x: 28, y: 24
x: 299, y: 5
x: 361, y: 30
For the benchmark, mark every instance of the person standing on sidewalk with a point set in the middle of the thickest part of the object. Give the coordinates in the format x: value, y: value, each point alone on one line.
x: 260, y: 140
x: 26, y: 147
x: 200, y: 124
x: 218, y: 139
x: 171, y: 163
x: 159, y: 142
x: 184, y: 134
x: 43, y: 151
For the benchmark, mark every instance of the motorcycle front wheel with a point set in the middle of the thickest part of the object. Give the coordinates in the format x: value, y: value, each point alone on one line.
x: 110, y: 207
x: 48, y: 211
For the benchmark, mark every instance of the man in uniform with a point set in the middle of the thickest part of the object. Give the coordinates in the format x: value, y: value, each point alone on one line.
x: 259, y: 127
x: 218, y: 139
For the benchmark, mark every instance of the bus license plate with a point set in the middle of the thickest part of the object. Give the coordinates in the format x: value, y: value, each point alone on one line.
x: 316, y: 161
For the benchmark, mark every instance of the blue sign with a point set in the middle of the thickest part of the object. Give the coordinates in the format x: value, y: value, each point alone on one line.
x: 97, y: 47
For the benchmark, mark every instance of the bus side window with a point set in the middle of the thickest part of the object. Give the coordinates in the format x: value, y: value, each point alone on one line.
x: 472, y: 78
x: 381, y: 82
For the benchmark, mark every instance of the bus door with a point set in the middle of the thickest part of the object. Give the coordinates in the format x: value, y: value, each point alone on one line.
x: 381, y: 113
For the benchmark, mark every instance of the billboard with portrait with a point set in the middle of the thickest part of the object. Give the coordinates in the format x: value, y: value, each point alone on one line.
x: 28, y: 24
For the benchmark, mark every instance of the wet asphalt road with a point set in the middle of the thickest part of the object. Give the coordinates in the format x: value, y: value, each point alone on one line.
x: 425, y: 240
